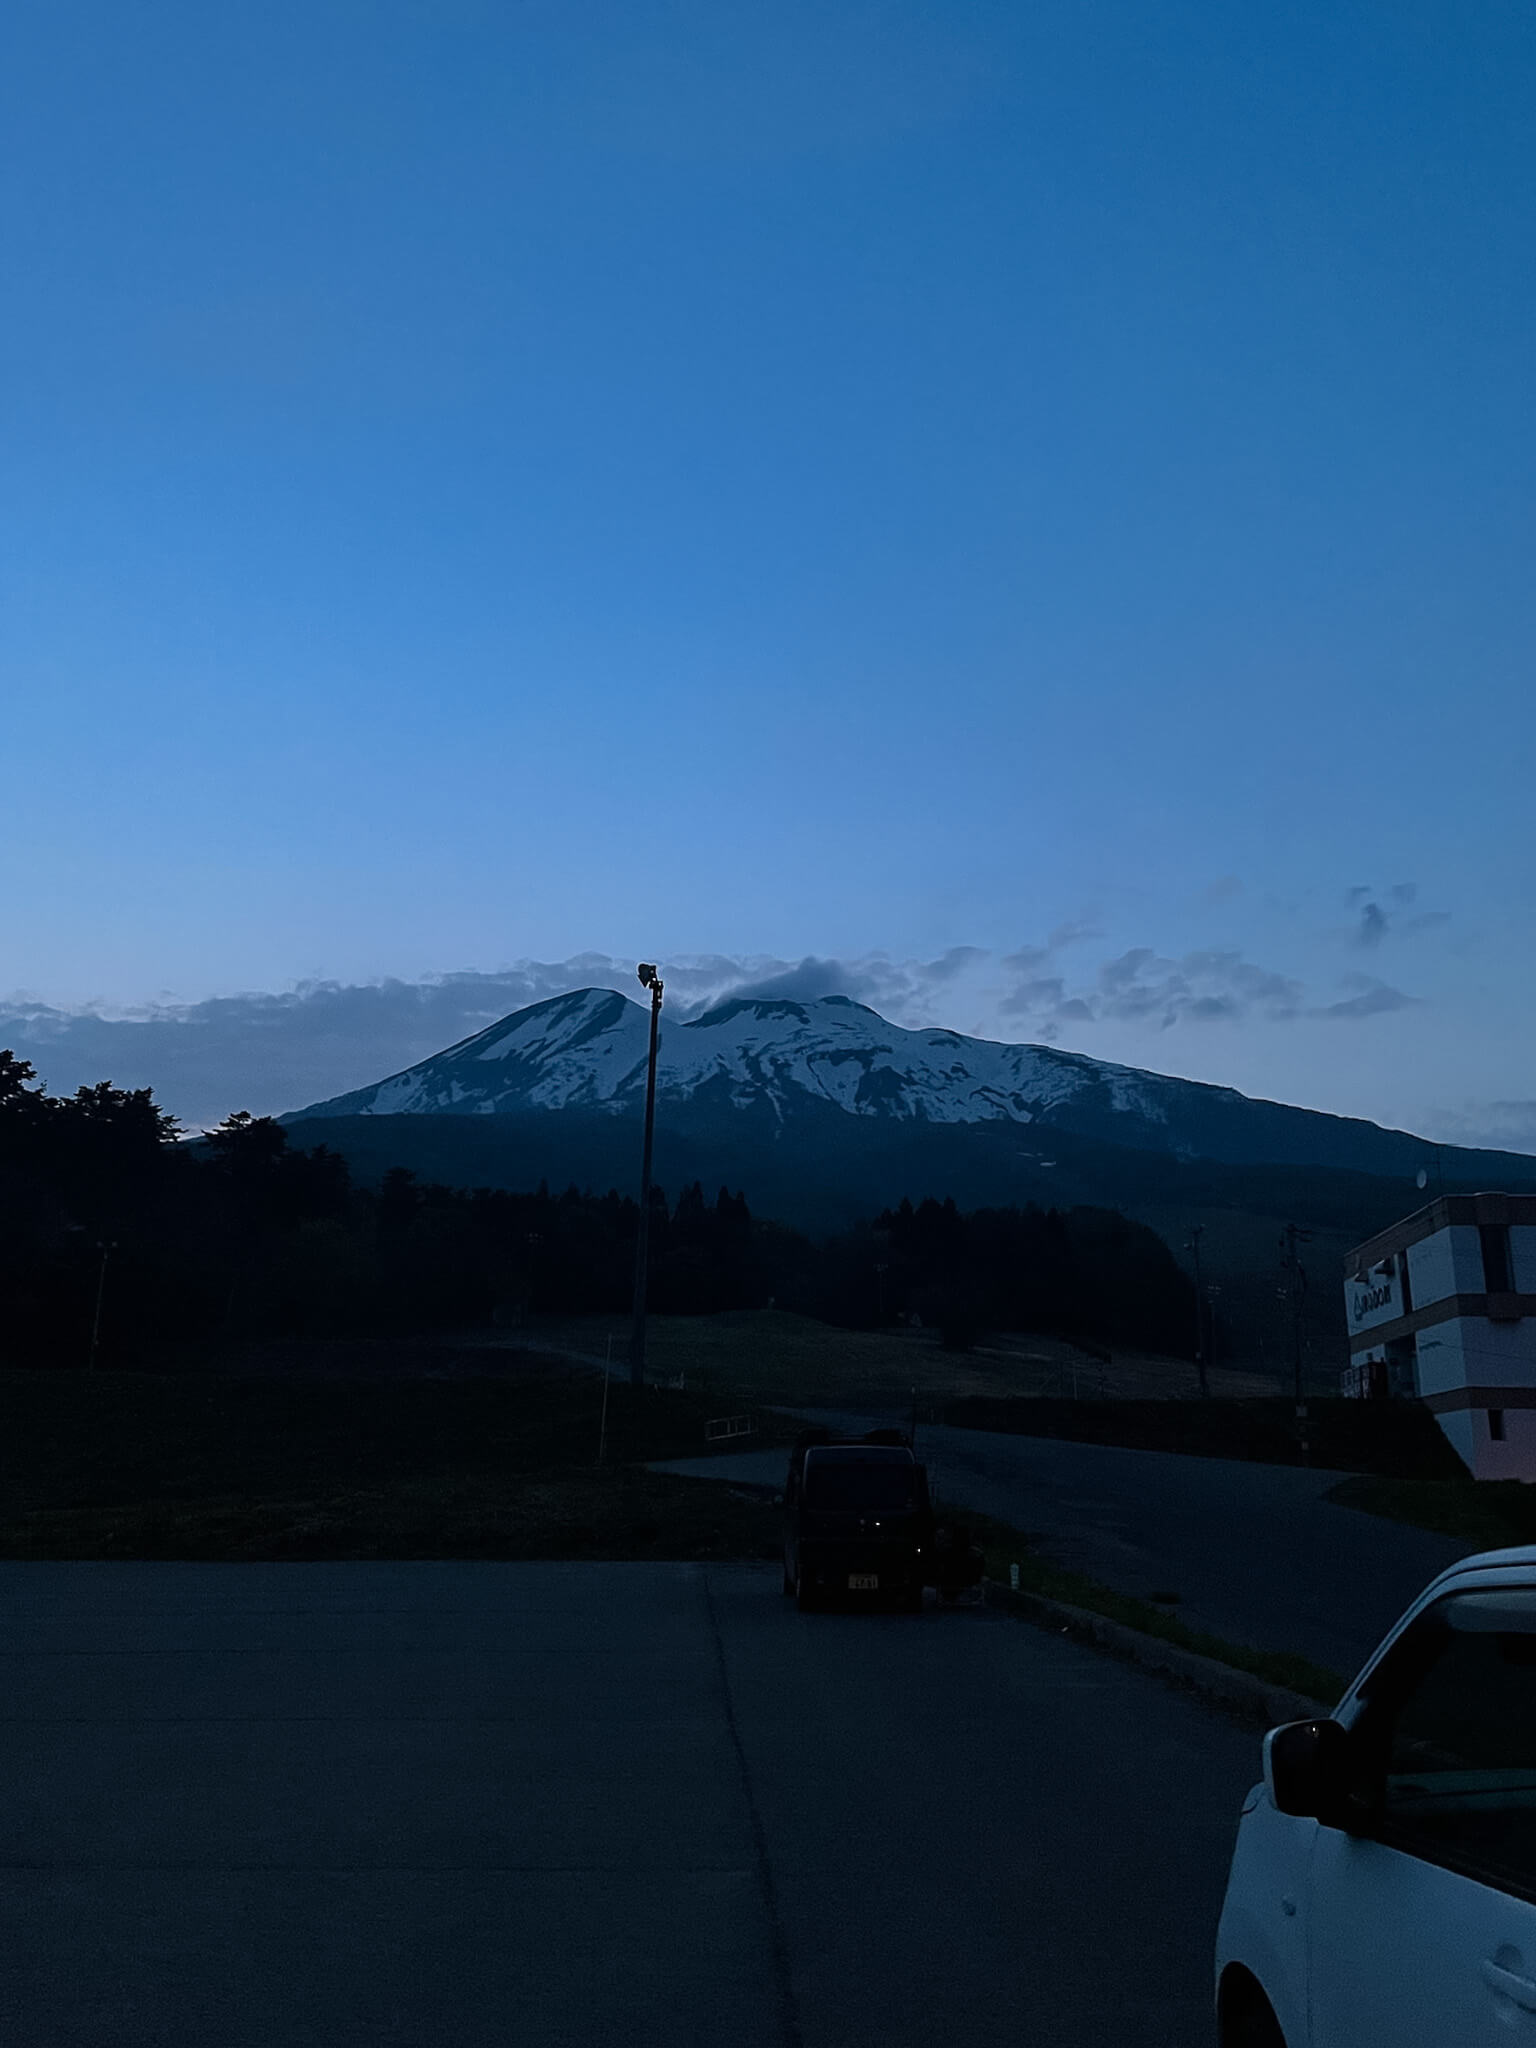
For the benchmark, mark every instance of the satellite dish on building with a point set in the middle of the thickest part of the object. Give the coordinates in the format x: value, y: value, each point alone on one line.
x: 1423, y: 1178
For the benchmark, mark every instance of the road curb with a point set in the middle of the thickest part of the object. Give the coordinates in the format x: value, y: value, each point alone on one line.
x: 1238, y: 1691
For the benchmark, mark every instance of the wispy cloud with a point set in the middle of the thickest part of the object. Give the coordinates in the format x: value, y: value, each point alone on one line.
x: 1141, y: 987
x: 1372, y: 999
x: 273, y: 1052
x: 270, y: 1052
x: 1374, y: 920
x: 1222, y: 890
x: 887, y: 985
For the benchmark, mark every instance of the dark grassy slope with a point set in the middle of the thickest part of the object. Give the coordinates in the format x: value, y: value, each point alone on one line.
x: 214, y: 1465
x: 1492, y: 1513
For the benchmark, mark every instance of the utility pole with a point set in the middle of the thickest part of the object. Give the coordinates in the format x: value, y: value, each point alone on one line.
x: 106, y: 1251
x: 1295, y: 1288
x: 1194, y: 1246
x: 651, y: 980
x: 602, y: 1429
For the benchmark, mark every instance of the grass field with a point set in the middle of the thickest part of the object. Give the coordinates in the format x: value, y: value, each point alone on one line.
x: 766, y: 1355
x: 1491, y: 1513
x: 212, y: 1466
x: 483, y: 1444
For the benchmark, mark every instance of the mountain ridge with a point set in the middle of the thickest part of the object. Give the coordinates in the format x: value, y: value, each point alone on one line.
x: 586, y: 1050
x: 610, y: 1030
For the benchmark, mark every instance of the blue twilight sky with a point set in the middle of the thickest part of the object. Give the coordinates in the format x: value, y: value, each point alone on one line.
x: 1022, y: 512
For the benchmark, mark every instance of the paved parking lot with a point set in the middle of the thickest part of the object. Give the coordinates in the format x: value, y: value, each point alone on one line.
x: 259, y: 1806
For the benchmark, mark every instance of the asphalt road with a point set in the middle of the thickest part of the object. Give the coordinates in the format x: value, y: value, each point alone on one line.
x: 394, y: 1805
x: 1254, y: 1551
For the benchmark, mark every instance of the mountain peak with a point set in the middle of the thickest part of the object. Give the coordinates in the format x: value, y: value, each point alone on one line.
x: 801, y: 1011
x: 832, y: 1072
x: 589, y: 1046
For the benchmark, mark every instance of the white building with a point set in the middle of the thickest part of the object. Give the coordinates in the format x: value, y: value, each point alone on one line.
x: 1443, y: 1306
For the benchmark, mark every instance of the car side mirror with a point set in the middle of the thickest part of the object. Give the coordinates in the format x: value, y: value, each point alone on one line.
x: 1306, y: 1770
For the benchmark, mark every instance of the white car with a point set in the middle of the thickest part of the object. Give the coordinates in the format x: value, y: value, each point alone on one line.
x: 1383, y: 1887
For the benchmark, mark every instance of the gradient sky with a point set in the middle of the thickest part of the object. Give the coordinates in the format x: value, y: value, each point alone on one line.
x: 495, y: 483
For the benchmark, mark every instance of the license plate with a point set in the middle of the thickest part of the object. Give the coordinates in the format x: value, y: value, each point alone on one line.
x: 863, y: 1582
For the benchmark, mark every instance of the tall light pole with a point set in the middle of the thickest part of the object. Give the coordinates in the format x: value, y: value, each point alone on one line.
x: 651, y: 980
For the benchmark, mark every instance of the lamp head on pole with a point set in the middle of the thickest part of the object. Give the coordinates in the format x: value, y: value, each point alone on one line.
x: 649, y: 977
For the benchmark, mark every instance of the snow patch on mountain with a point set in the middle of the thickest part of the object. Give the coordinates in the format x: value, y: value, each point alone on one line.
x: 589, y: 1048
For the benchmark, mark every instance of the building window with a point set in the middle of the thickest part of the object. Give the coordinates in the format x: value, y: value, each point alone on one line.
x: 1496, y: 1424
x: 1495, y: 1240
x: 1400, y: 1374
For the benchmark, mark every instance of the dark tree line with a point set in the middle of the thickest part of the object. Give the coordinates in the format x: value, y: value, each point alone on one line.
x: 1075, y: 1272
x: 105, y: 1208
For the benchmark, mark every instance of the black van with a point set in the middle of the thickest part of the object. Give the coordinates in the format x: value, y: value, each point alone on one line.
x: 857, y: 1519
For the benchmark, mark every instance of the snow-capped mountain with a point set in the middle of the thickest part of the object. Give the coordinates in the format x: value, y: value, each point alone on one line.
x: 823, y: 1113
x: 751, y: 1070
x: 588, y: 1049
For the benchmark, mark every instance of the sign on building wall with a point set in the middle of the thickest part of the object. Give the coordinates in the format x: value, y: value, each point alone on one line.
x: 1374, y: 1297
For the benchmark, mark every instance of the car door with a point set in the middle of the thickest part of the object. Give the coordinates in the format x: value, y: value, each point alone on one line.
x: 1422, y: 1911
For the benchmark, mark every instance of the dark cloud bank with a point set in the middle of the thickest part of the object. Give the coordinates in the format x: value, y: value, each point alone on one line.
x: 269, y: 1053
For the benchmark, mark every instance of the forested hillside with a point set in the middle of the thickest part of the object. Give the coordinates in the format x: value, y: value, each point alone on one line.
x: 120, y: 1240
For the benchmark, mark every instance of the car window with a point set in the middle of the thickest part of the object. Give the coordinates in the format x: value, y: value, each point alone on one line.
x: 864, y: 1483
x: 1446, y: 1749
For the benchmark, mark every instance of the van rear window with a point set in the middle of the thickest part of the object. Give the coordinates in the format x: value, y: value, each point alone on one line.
x: 860, y: 1484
